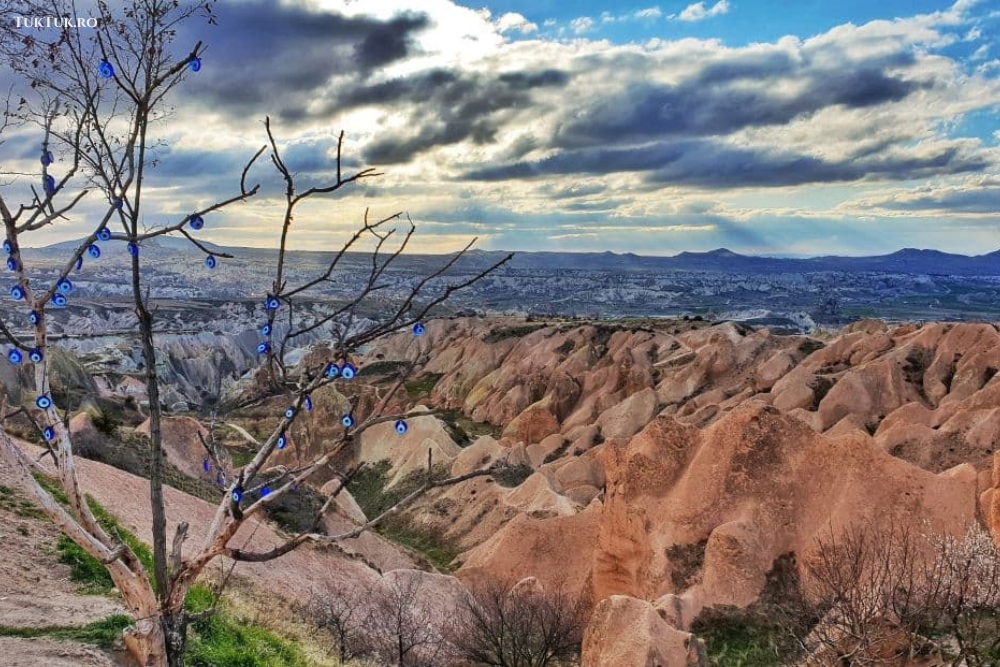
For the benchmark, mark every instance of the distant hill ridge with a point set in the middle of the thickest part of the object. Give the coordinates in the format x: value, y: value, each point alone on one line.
x: 722, y: 260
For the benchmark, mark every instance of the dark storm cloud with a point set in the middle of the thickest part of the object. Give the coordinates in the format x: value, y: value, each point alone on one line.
x: 388, y: 42
x: 266, y: 57
x: 711, y: 103
x: 448, y: 107
x: 709, y: 164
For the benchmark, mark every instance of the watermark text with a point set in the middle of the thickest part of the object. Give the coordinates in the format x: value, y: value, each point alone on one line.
x: 55, y: 22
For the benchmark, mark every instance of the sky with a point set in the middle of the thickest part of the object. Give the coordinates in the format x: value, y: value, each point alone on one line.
x: 799, y: 128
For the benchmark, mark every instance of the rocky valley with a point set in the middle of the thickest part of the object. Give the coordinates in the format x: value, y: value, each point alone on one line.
x: 655, y: 471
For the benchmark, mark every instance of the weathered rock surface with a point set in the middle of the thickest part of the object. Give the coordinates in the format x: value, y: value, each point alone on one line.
x: 626, y: 632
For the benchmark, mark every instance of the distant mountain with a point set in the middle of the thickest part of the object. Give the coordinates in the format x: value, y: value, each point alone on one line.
x: 721, y: 260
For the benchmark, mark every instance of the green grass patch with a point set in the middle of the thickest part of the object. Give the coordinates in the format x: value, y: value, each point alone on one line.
x: 463, y: 430
x: 423, y: 385
x: 383, y: 368
x: 86, y: 570
x: 101, y: 633
x: 368, y: 488
x: 438, y: 551
x: 737, y: 638
x: 240, y: 456
x: 510, y: 476
x: 220, y: 640
x: 497, y: 335
x: 12, y: 501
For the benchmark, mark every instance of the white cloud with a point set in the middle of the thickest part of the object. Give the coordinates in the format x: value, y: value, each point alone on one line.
x: 980, y: 53
x: 514, y: 21
x: 697, y: 11
x: 582, y: 25
x: 649, y: 13
x: 973, y: 35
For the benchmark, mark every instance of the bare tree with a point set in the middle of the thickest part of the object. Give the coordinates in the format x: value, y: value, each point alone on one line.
x: 402, y: 627
x: 867, y: 586
x: 96, y: 102
x: 345, y: 613
x: 961, y: 597
x: 505, y: 625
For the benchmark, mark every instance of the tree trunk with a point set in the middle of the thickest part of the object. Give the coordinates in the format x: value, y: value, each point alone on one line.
x: 145, y: 639
x: 175, y: 633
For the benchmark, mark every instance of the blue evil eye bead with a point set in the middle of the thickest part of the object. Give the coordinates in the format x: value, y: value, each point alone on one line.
x: 47, y: 158
x: 43, y: 402
x: 210, y: 262
x: 11, y: 264
x: 195, y: 64
x: 348, y: 371
x: 34, y: 317
x: 59, y: 300
x: 65, y: 286
x: 106, y: 70
x: 265, y: 330
x: 401, y: 427
x: 263, y: 348
x: 332, y: 371
x: 282, y: 441
x: 49, y: 433
x: 79, y: 263
x: 133, y: 249
x: 94, y: 251
x: 196, y: 222
x: 119, y: 204
x: 205, y: 465
x: 7, y: 247
x: 265, y: 491
x: 104, y: 234
x: 419, y: 329
x: 308, y: 403
x: 35, y: 355
x: 237, y: 495
x: 272, y: 303
x: 15, y: 356
x: 17, y: 292
x: 48, y: 184
x: 218, y: 478
x: 289, y: 413
x: 347, y: 421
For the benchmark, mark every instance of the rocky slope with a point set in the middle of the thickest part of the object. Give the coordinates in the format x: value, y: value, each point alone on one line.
x: 675, y: 464
x: 660, y: 469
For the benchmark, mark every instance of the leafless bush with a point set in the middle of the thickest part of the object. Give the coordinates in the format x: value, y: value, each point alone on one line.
x: 884, y: 591
x: 344, y: 613
x: 504, y: 625
x: 401, y: 627
x: 962, y: 597
x: 868, y: 585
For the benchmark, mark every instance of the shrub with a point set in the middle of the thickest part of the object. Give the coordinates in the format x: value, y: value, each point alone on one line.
x: 509, y: 476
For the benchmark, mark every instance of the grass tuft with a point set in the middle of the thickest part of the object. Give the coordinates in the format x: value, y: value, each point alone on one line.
x: 219, y: 640
x: 101, y: 633
x: 368, y: 488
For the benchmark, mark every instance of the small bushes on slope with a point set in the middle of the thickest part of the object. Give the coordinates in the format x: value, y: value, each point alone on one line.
x: 368, y: 487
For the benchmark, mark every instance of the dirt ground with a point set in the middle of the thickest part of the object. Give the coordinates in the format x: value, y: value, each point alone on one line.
x: 40, y: 652
x: 35, y: 589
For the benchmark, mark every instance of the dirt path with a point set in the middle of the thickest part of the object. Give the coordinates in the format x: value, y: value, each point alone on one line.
x: 40, y: 652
